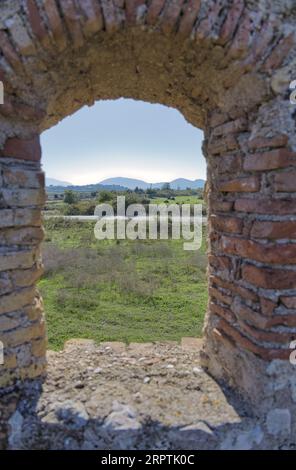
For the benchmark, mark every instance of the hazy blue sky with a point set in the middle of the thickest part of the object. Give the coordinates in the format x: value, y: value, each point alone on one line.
x: 123, y: 138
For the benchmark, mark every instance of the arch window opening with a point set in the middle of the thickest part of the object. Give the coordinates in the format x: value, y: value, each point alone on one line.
x: 122, y: 289
x: 118, y: 277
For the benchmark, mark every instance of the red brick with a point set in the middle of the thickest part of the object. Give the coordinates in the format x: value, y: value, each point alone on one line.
x: 242, y: 38
x: 271, y: 160
x: 214, y: 236
x: 109, y: 13
x: 189, y: 17
x: 23, y: 149
x: 220, y: 296
x: 227, y: 224
x: 217, y: 118
x: 131, y: 7
x: 266, y: 206
x: 9, y: 52
x: 72, y: 21
x: 269, y: 278
x: 171, y: 14
x: 282, y: 320
x: 235, y: 288
x: 19, y: 178
x: 232, y: 127
x: 222, y: 145
x: 276, y: 141
x: 245, y: 343
x: 285, y: 182
x: 231, y: 21
x: 220, y: 262
x: 222, y: 206
x: 223, y: 312
x: 229, y: 164
x: 267, y: 306
x: 274, y: 230
x: 154, y: 11
x: 225, y: 339
x: 94, y: 18
x: 249, y: 184
x: 243, y: 312
x: 260, y: 252
x: 26, y: 112
x: 29, y: 113
x: 268, y: 336
x: 36, y: 20
x: 280, y: 52
x: 289, y: 302
x: 55, y: 23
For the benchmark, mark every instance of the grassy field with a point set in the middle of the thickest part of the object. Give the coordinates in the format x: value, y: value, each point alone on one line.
x: 86, y: 206
x: 177, y: 200
x: 120, y: 290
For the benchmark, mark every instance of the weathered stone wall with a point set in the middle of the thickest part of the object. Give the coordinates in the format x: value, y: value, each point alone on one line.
x: 21, y: 323
x: 226, y: 65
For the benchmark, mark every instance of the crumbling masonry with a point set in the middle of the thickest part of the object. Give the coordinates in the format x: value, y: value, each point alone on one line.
x: 226, y: 65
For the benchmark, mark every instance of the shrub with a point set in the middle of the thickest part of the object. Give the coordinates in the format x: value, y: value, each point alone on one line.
x: 70, y: 197
x: 105, y: 196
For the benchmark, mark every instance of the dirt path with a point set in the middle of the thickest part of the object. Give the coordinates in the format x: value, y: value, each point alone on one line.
x: 145, y: 396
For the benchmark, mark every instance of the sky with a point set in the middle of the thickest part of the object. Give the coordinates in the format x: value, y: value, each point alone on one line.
x: 123, y: 138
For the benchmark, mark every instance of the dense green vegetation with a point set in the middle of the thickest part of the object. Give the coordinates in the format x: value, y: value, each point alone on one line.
x: 119, y: 290
x: 74, y: 203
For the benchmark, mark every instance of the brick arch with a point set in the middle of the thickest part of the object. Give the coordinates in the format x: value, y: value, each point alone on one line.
x: 226, y: 65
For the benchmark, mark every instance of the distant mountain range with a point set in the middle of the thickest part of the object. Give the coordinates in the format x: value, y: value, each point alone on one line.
x: 87, y: 188
x: 180, y: 183
x: 121, y: 184
x: 54, y: 182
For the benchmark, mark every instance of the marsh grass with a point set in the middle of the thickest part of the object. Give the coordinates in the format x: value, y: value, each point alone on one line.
x: 120, y: 290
